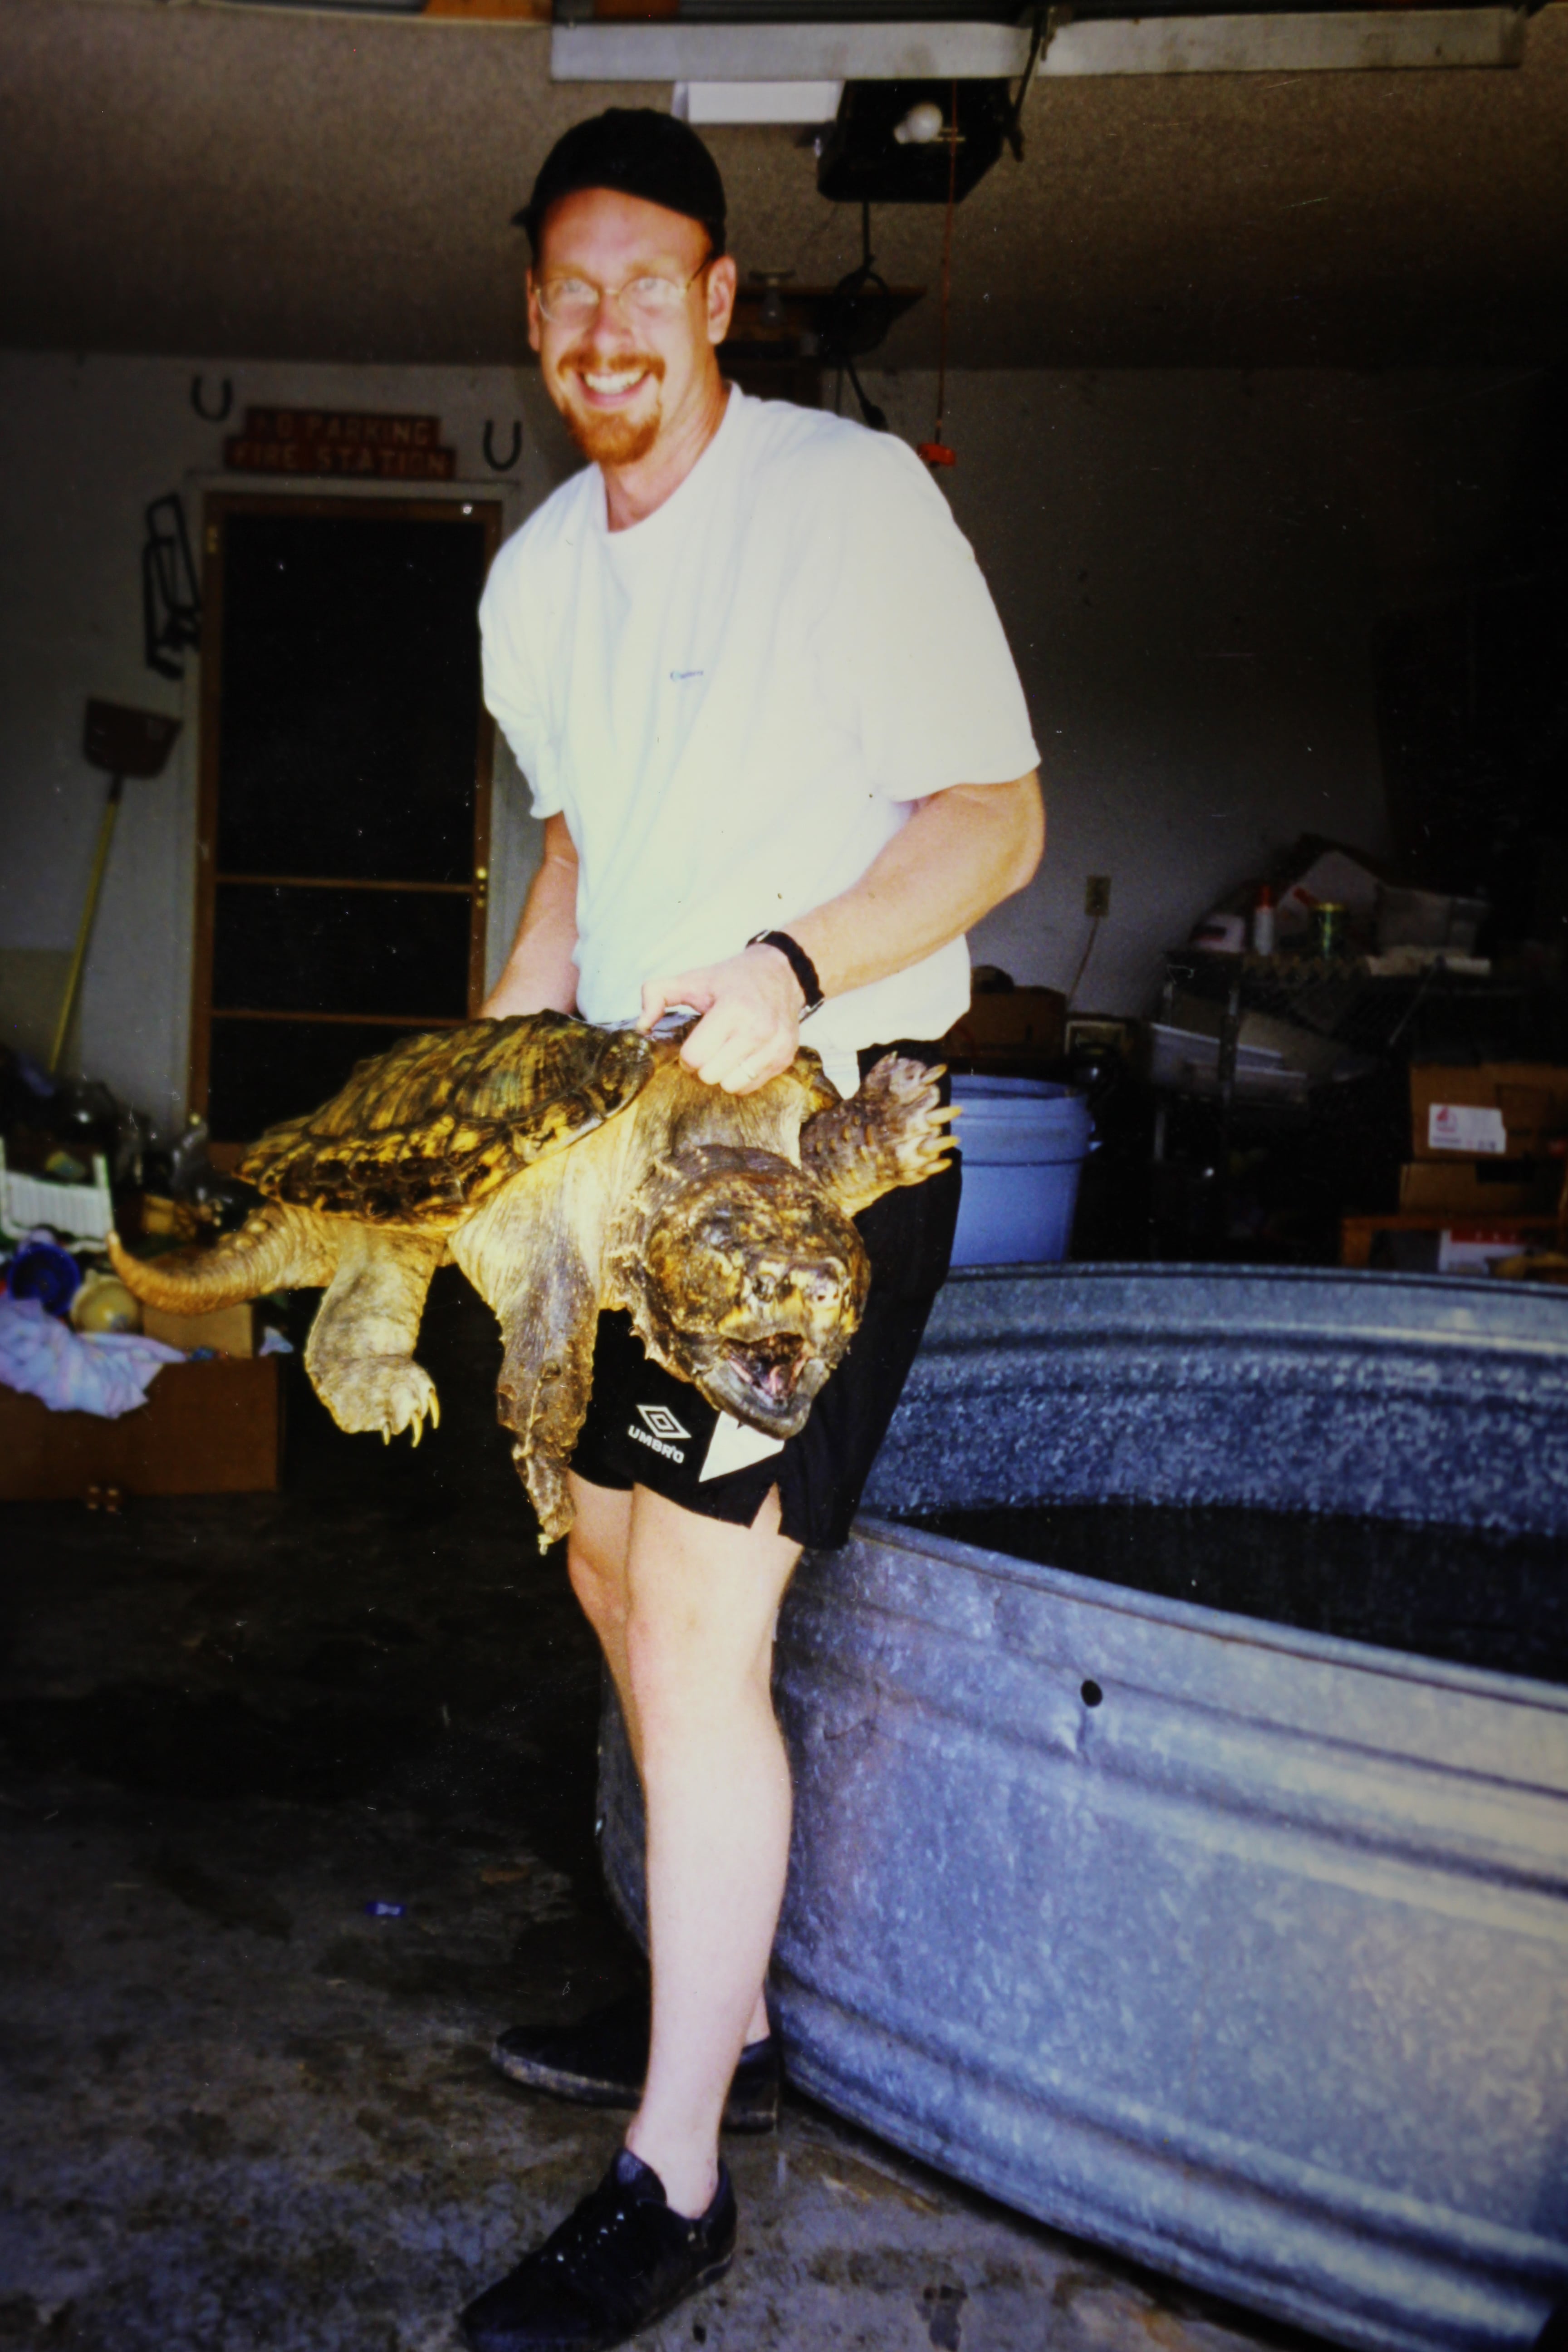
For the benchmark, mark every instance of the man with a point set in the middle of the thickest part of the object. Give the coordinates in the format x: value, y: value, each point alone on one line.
x: 757, y: 684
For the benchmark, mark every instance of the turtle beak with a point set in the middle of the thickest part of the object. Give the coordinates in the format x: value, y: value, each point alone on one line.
x: 772, y: 1367
x: 770, y: 1383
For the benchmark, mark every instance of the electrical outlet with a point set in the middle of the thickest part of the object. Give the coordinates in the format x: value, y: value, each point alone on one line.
x: 1097, y: 895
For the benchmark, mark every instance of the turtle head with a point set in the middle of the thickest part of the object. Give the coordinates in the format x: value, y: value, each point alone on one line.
x: 743, y: 1278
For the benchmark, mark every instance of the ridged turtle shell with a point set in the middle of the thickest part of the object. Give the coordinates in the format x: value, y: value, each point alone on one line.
x: 424, y: 1134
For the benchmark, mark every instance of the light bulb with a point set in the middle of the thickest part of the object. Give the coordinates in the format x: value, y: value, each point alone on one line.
x: 919, y: 126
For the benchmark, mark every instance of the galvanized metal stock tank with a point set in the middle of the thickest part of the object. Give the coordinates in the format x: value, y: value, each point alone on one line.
x: 1239, y: 1948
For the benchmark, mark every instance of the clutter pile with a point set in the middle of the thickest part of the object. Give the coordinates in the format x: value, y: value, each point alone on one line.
x: 1328, y: 969
x: 1488, y: 1169
x: 105, y: 1373
x: 1325, y: 901
x: 74, y: 1164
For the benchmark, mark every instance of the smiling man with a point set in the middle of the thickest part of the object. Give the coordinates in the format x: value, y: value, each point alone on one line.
x: 754, y: 676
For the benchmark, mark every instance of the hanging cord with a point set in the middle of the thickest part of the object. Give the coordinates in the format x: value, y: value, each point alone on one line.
x: 935, y: 451
x: 858, y: 321
x: 1048, y: 23
x: 1094, y: 924
x: 877, y: 418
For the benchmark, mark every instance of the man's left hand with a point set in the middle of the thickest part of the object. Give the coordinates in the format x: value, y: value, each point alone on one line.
x: 750, y: 1029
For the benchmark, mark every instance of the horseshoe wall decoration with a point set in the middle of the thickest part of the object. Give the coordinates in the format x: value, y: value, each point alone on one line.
x: 212, y: 415
x: 502, y: 465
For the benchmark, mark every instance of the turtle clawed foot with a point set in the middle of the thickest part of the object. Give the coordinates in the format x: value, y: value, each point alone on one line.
x: 410, y: 1395
x: 385, y: 1393
x: 545, y: 1481
x: 893, y: 1132
x: 417, y: 1423
x: 918, y: 1137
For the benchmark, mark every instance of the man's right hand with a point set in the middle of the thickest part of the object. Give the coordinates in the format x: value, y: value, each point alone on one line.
x: 750, y: 1029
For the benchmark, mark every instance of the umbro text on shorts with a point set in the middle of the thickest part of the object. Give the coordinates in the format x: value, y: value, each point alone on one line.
x: 646, y: 1428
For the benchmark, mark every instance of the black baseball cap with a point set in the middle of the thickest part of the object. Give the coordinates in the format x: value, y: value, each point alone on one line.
x: 639, y: 152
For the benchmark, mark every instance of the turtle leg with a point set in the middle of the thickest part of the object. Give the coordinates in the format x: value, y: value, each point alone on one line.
x: 525, y: 1259
x: 892, y: 1131
x: 546, y: 1377
x: 359, y: 1354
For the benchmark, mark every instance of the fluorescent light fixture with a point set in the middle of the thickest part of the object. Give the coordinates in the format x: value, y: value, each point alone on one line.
x: 756, y: 101
x: 691, y: 53
x: 1326, y: 41
x: 1332, y: 40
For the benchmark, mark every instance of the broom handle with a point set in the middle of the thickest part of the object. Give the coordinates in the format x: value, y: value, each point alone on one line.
x: 84, y: 929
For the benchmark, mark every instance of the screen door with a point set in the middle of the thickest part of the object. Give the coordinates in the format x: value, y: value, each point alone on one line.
x: 344, y: 826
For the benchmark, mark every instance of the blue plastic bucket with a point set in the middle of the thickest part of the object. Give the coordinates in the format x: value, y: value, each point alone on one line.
x: 1024, y: 1142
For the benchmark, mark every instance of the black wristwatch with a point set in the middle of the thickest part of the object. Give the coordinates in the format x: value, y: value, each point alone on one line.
x: 799, y: 963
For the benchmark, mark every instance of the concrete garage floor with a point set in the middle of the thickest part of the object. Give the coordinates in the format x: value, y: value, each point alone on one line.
x: 242, y: 2112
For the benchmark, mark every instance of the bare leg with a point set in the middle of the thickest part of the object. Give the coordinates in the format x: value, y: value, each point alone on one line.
x: 684, y: 1608
x: 596, y: 1560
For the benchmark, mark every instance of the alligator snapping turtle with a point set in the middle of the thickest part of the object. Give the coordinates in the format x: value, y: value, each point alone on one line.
x: 568, y: 1168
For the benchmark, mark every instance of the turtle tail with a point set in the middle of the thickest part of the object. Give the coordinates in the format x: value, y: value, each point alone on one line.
x: 277, y: 1248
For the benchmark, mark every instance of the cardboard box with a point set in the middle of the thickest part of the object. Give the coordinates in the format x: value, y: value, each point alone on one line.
x: 231, y: 1331
x: 1508, y: 1235
x: 1018, y: 1030
x: 1482, y: 1187
x: 206, y: 1429
x: 1501, y: 1110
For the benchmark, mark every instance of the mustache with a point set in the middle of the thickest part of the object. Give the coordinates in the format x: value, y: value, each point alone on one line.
x: 583, y: 361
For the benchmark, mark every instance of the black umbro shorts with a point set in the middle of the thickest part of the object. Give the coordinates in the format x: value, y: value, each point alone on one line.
x: 646, y: 1428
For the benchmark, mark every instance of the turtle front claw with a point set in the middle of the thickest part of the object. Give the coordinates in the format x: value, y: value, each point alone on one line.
x: 417, y: 1424
x: 384, y: 1394
x: 893, y: 1132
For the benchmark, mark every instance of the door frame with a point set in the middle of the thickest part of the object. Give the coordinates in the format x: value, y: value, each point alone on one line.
x: 217, y: 507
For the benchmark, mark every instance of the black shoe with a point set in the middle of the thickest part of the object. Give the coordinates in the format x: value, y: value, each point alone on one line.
x: 618, y: 2263
x: 601, y: 2062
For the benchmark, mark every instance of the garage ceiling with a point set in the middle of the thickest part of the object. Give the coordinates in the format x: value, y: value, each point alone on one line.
x: 221, y: 181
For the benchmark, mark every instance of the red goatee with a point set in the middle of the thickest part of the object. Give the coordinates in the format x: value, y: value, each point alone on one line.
x: 613, y: 440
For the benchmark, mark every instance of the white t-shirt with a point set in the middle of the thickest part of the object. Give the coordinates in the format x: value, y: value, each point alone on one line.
x: 734, y: 702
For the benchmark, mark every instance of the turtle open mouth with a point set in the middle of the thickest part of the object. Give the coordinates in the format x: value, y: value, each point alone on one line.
x: 768, y: 1382
x: 771, y: 1368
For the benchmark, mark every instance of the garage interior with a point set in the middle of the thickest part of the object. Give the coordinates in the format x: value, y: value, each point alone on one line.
x: 1256, y: 383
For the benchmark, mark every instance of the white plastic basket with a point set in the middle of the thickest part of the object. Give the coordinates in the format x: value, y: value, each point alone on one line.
x: 82, y: 1213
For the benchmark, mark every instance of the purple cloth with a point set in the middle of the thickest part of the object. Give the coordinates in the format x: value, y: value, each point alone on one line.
x: 106, y: 1372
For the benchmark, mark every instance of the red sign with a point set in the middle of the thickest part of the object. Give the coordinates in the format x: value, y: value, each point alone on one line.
x: 341, y: 441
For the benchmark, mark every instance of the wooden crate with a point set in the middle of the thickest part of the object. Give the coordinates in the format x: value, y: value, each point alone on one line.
x: 227, y: 1331
x: 206, y: 1429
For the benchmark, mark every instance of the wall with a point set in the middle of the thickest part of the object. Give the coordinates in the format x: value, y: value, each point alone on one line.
x: 85, y: 444
x: 1188, y: 564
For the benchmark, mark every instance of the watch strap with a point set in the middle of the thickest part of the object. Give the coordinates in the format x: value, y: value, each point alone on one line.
x: 799, y: 963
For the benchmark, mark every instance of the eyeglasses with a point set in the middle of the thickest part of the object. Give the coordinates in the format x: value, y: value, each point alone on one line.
x: 575, y: 301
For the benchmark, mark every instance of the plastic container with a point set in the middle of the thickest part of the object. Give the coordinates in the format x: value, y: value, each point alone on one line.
x: 44, y: 1271
x: 1263, y: 921
x: 1427, y: 918
x: 1024, y: 1142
